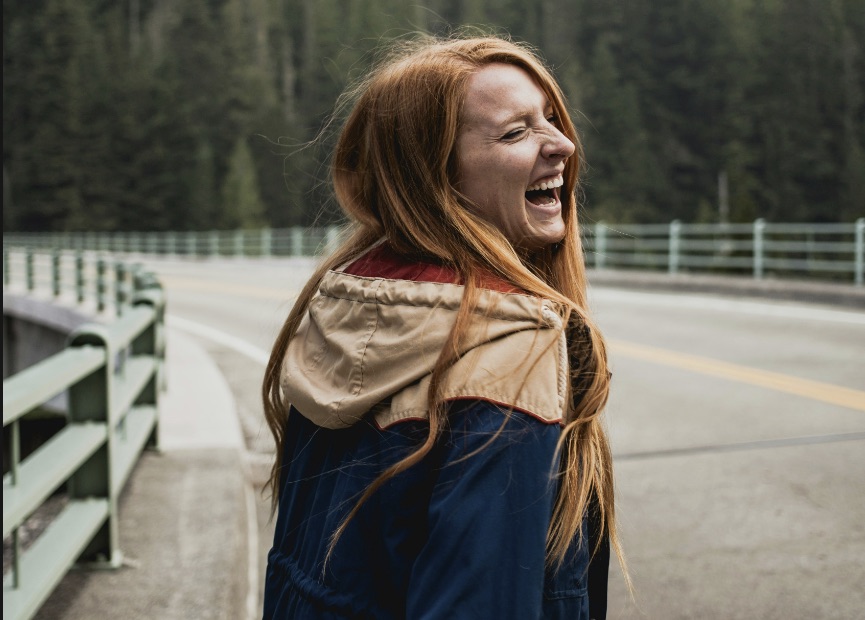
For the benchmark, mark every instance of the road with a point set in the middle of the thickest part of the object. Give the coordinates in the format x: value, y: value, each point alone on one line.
x: 738, y: 429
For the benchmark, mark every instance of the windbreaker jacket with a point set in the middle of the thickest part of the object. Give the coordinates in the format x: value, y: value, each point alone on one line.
x: 461, y: 534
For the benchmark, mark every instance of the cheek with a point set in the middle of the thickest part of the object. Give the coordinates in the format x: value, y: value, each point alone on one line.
x: 495, y: 181
x: 504, y: 177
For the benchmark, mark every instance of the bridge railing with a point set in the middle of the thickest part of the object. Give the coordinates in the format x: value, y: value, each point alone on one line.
x: 212, y: 243
x: 830, y: 251
x: 835, y: 251
x: 111, y: 373
x: 98, y: 280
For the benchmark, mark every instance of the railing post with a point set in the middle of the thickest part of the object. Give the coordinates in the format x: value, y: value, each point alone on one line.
x: 170, y: 243
x: 90, y: 401
x: 7, y: 267
x: 296, y: 241
x: 266, y: 242
x: 238, y: 243
x: 331, y: 239
x: 859, y: 276
x: 119, y: 287
x: 674, y: 248
x: 600, y: 245
x: 809, y: 250
x: 759, y: 228
x: 31, y: 279
x: 148, y: 291
x: 190, y: 243
x: 79, y: 276
x: 101, y: 288
x: 15, y: 439
x: 55, y: 272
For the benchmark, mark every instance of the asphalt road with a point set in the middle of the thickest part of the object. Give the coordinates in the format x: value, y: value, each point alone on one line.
x: 738, y: 428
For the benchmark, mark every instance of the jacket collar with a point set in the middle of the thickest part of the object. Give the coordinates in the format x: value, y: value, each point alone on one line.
x: 373, y: 332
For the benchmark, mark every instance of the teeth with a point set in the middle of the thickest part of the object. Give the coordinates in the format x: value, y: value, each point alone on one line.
x: 550, y: 184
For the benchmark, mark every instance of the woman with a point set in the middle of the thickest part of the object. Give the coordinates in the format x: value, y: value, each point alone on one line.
x: 435, y: 393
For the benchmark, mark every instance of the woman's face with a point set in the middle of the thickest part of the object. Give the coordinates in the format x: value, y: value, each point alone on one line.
x: 511, y: 156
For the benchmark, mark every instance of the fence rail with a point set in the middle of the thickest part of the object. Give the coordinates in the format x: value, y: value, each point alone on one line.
x: 111, y: 373
x: 758, y: 249
x: 264, y: 242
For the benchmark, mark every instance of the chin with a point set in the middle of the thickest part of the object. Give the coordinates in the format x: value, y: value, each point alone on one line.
x: 549, y: 237
x: 539, y: 242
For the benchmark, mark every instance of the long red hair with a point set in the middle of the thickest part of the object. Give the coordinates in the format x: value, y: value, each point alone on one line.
x: 394, y: 171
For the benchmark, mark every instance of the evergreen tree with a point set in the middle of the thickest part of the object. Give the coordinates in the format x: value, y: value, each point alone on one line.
x: 619, y: 182
x: 128, y: 115
x: 241, y: 202
x: 44, y: 121
x: 204, y: 205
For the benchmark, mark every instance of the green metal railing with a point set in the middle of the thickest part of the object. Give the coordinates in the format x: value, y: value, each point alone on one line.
x: 111, y: 373
x: 758, y: 249
x: 213, y: 243
x: 834, y: 251
x: 99, y: 280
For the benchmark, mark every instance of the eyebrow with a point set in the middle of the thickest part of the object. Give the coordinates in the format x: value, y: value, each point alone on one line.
x: 526, y: 113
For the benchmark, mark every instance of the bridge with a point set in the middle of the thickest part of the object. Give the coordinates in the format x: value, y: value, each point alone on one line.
x: 737, y: 420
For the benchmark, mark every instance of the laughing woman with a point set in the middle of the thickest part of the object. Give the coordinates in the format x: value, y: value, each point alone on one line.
x: 435, y: 392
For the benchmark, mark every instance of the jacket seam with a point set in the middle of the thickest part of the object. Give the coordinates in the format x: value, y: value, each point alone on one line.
x: 361, y: 362
x: 416, y: 414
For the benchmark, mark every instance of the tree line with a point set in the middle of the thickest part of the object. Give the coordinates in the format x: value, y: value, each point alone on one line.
x: 202, y: 114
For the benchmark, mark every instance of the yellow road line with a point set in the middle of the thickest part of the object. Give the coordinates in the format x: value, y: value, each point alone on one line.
x: 238, y: 290
x: 816, y: 390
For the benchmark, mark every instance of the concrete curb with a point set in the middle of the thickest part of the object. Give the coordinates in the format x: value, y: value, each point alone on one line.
x: 828, y: 293
x: 197, y: 409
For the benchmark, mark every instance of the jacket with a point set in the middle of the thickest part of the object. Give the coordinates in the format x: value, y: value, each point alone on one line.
x: 462, y: 533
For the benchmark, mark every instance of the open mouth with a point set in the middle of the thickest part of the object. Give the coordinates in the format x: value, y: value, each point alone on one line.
x: 545, y: 193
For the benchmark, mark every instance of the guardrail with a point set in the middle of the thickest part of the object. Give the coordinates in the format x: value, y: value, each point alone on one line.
x: 295, y: 241
x: 92, y: 278
x: 112, y: 375
x: 759, y: 249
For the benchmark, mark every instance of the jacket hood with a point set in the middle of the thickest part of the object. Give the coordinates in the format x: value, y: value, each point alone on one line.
x: 367, y: 346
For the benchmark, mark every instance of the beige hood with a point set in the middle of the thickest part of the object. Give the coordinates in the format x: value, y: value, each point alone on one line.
x: 368, y: 345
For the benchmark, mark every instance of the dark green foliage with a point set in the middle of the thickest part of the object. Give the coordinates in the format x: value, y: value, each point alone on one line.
x: 194, y: 114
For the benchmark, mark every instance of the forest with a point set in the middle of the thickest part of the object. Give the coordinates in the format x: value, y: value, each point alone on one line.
x: 218, y: 114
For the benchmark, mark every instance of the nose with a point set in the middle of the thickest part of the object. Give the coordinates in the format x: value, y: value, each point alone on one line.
x: 558, y: 145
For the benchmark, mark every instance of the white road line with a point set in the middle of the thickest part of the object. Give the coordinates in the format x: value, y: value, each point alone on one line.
x: 700, y: 302
x: 220, y: 337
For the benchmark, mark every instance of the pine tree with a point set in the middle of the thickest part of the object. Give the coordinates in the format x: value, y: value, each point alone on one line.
x: 129, y: 115
x: 622, y: 174
x: 241, y: 202
x: 44, y: 122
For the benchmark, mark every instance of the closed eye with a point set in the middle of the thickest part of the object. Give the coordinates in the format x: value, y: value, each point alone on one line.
x: 514, y: 134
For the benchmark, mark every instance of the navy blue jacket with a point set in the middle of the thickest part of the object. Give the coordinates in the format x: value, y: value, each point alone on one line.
x: 461, y: 535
